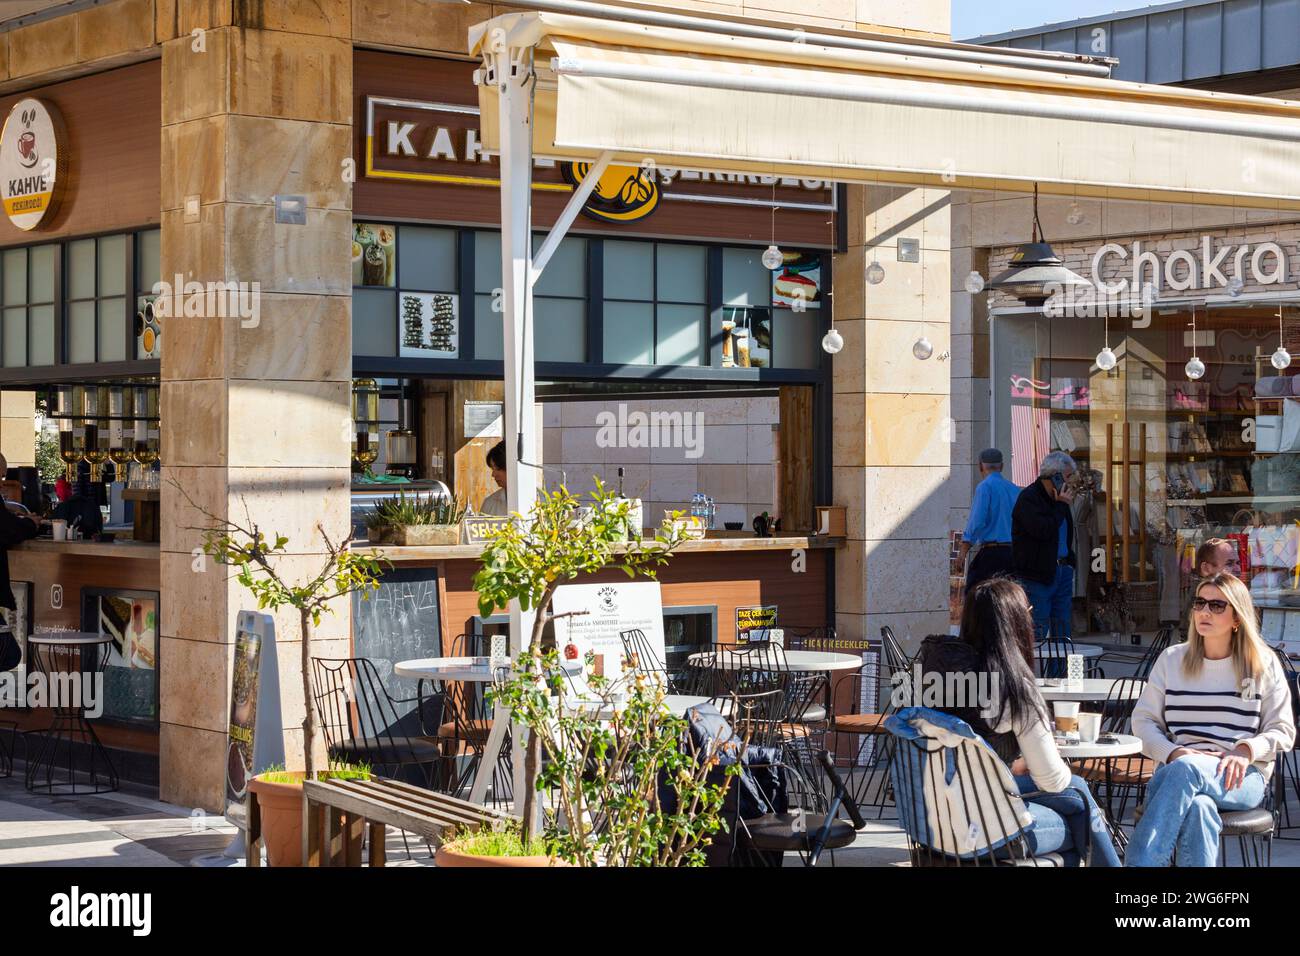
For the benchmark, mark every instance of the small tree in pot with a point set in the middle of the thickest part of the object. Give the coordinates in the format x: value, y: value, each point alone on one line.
x: 559, y: 540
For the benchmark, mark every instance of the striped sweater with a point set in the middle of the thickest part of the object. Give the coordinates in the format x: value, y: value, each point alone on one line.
x: 1212, y: 712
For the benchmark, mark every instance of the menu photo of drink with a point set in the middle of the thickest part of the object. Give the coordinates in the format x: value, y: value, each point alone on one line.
x: 130, y: 620
x: 374, y: 254
x: 428, y: 325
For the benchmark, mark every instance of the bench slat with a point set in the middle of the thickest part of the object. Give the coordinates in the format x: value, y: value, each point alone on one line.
x: 420, y: 812
x: 445, y: 817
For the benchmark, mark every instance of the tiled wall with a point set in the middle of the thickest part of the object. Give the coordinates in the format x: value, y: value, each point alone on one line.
x: 735, y: 464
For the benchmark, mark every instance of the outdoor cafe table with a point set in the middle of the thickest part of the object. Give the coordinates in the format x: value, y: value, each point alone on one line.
x: 1091, y: 688
x: 1128, y: 746
x: 802, y: 661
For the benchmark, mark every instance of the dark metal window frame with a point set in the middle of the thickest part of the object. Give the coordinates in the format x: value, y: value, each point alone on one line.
x: 62, y: 370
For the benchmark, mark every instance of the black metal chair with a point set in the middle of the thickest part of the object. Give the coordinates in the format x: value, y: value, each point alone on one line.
x: 362, y: 723
x: 1119, y: 782
x: 644, y: 660
x: 1142, y: 663
x: 1253, y: 830
x: 465, y: 728
x: 820, y: 637
x: 1286, y: 772
x: 809, y: 834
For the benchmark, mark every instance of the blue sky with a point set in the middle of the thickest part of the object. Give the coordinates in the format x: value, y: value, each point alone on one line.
x: 971, y: 18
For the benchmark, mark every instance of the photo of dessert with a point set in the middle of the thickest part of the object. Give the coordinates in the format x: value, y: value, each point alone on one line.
x: 798, y: 281
x: 374, y: 255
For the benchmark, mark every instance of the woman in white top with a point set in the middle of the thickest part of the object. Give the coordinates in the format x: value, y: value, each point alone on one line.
x: 998, y: 627
x: 495, y: 503
x: 1215, y: 713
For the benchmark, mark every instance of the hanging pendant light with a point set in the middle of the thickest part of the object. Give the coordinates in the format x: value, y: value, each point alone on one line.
x: 772, y: 257
x: 832, y: 342
x: 875, y: 272
x: 1106, y: 359
x: 1036, y: 271
x: 1281, y: 359
x: 922, y: 348
x: 974, y: 283
x: 1194, y: 368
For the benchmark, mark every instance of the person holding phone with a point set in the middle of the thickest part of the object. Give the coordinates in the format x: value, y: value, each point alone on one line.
x: 1215, y: 713
x: 1042, y: 545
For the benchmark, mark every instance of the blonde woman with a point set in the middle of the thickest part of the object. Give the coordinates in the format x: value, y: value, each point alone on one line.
x: 1214, y: 713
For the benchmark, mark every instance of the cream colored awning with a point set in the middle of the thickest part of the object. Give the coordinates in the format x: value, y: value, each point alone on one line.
x: 713, y: 101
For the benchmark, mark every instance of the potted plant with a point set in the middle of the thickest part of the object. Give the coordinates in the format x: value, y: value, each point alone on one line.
x: 630, y: 788
x: 487, y: 847
x: 528, y: 558
x: 255, y: 557
x: 279, y: 800
x: 415, y: 521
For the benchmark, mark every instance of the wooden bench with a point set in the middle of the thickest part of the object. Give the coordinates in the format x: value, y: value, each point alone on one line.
x: 337, y: 812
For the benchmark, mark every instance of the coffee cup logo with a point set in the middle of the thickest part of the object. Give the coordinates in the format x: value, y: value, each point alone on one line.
x: 31, y: 162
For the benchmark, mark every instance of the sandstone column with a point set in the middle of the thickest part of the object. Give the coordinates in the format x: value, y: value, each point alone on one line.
x: 892, y: 424
x: 255, y: 414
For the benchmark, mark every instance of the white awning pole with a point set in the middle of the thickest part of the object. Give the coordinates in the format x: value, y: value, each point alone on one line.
x: 571, y: 209
x: 514, y: 79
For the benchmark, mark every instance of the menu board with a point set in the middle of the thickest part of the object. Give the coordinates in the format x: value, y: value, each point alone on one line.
x: 130, y: 618
x: 611, y: 609
x: 753, y: 618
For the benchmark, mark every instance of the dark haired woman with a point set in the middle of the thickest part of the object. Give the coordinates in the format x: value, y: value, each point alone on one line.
x: 495, y: 503
x: 1214, y: 714
x: 997, y: 638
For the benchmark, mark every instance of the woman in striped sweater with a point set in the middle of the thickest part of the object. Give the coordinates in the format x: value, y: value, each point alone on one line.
x: 1214, y: 714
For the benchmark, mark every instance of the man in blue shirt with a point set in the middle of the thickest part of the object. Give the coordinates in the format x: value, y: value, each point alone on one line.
x: 988, y: 530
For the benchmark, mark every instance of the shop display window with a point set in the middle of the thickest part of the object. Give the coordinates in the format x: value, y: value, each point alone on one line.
x: 27, y: 295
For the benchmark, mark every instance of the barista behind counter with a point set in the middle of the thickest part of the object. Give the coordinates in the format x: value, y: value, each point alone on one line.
x: 80, y: 509
x: 495, y: 503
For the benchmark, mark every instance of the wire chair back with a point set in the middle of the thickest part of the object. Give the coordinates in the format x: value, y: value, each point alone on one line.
x: 1052, y: 653
x: 643, y: 658
x: 818, y: 638
x: 956, y: 805
x: 1117, y: 713
x: 896, y: 659
x: 1164, y: 637
x: 360, y: 717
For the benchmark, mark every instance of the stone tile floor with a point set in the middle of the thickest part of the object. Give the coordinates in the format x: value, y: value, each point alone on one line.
x: 131, y: 828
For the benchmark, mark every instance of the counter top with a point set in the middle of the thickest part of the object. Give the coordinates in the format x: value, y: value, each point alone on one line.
x: 398, y: 554
x: 142, y: 550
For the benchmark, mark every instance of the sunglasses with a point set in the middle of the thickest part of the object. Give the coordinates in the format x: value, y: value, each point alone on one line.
x: 1216, y: 607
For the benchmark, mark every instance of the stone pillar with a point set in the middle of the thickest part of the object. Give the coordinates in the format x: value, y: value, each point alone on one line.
x: 255, y: 410
x: 892, y: 424
x: 18, y: 428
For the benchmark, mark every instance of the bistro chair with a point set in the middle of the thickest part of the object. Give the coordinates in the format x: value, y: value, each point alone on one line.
x: 466, y: 726
x: 361, y: 722
x: 748, y: 669
x: 1253, y: 830
x: 1143, y: 662
x: 818, y: 638
x: 1119, y: 782
x: 807, y: 834
x: 638, y: 652
x: 1286, y: 772
x: 957, y: 801
x: 1051, y: 656
x: 756, y: 720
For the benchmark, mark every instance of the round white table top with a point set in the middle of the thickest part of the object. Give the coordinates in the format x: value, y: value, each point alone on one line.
x: 676, y: 704
x: 446, y: 668
x: 1084, y: 650
x: 1091, y: 688
x: 1128, y: 746
x: 70, y: 638
x: 804, y: 661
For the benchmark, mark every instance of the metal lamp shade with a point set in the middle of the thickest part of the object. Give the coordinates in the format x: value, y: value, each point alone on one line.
x: 1036, y: 272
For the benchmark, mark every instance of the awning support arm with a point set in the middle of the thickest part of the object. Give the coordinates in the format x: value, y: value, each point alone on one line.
x: 575, y: 204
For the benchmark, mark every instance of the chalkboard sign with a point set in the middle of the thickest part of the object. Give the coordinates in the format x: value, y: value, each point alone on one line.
x: 399, y: 622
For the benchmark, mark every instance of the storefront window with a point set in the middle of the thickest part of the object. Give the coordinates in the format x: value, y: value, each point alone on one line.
x: 656, y: 297
x: 559, y: 301
x: 1171, y: 462
x: 96, y: 285
x: 769, y: 318
x: 27, y: 293
x: 148, y: 266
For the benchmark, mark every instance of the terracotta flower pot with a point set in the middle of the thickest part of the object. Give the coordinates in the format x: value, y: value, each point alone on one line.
x: 446, y: 857
x: 281, y: 808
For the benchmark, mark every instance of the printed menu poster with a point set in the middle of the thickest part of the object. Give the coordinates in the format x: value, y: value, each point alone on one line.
x: 752, y: 618
x: 797, y: 284
x: 243, y: 716
x: 612, y: 608
x: 428, y: 325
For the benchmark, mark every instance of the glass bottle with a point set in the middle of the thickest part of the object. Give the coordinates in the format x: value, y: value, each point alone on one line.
x: 146, y: 427
x: 70, y: 450
x: 96, y: 409
x: 120, y: 450
x: 365, y: 420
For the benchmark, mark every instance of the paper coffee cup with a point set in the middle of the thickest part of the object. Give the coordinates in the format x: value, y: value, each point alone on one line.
x: 1089, y: 727
x: 59, y: 529
x: 1067, y: 715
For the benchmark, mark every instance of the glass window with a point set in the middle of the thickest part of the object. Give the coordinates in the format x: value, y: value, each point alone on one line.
x: 43, y: 262
x: 679, y: 334
x: 487, y: 261
x: 374, y: 254
x: 629, y: 271
x: 629, y: 333
x: 797, y: 339
x: 112, y: 330
x: 566, y: 273
x: 41, y: 345
x: 428, y: 258
x: 81, y: 331
x: 745, y: 280
x: 81, y: 269
x: 561, y: 331
x: 374, y: 322
x: 15, y: 277
x: 489, y: 335
x: 681, y: 273
x: 15, y: 337
x: 148, y: 260
x: 112, y: 266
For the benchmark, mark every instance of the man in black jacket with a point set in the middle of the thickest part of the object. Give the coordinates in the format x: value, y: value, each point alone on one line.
x: 13, y: 529
x: 1042, y: 545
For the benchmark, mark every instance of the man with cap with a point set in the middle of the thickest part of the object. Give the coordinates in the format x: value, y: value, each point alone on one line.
x: 988, y: 530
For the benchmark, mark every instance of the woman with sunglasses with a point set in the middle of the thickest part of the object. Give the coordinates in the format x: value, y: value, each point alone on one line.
x: 1215, y: 712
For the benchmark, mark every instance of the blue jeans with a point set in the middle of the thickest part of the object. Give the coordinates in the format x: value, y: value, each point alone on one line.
x: 1062, y: 822
x: 1182, y: 811
x: 1051, y: 603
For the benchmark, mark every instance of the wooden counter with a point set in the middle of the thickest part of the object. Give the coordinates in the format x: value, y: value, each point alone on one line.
x: 711, y: 545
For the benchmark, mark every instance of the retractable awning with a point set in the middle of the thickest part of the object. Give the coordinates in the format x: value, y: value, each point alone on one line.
x: 710, y: 100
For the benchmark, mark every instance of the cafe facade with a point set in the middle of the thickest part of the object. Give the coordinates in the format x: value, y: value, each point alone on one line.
x: 259, y: 218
